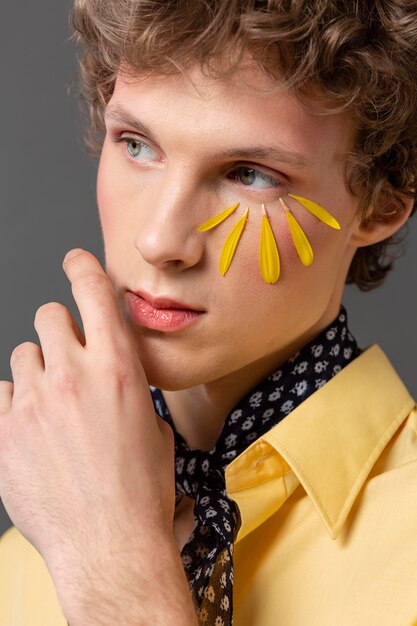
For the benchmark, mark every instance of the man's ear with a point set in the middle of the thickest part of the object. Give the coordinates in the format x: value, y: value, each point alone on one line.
x: 381, y: 224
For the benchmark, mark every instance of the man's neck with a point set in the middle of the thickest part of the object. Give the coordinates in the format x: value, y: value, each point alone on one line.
x: 200, y: 412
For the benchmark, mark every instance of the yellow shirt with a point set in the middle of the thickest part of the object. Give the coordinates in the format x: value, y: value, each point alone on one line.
x: 328, y: 503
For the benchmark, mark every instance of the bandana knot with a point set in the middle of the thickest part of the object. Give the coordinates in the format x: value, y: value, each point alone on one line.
x: 200, y: 475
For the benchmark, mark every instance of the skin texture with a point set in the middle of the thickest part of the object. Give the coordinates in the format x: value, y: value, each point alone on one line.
x: 152, y: 204
x: 79, y: 437
x: 78, y: 476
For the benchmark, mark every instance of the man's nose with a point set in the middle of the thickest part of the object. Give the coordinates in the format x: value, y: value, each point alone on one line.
x: 167, y: 235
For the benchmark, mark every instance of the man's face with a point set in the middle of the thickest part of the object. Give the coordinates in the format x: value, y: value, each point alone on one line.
x: 156, y: 187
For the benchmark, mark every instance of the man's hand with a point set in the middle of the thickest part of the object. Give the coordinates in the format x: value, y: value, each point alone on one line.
x: 86, y: 466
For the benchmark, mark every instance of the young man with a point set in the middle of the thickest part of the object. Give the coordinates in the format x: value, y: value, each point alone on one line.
x: 253, y: 158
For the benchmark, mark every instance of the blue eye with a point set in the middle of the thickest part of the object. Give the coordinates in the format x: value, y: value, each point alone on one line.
x: 248, y: 176
x: 140, y: 150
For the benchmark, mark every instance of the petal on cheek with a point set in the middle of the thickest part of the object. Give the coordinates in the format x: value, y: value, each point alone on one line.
x: 231, y: 242
x: 301, y: 242
x: 269, y: 257
x: 318, y: 211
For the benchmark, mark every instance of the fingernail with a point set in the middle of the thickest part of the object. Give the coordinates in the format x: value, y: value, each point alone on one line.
x: 72, y: 253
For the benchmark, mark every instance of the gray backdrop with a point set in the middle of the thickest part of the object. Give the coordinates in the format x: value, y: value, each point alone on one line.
x: 47, y: 191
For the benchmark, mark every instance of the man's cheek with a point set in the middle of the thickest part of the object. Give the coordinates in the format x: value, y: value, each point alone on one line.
x: 111, y: 204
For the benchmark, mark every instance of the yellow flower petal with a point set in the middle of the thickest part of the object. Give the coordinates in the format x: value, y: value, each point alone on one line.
x: 230, y: 244
x: 318, y: 211
x: 268, y: 252
x: 217, y: 219
x: 301, y: 242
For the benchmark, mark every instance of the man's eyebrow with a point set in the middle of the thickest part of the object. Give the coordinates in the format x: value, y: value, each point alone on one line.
x: 121, y: 115
x: 118, y: 114
x: 266, y: 153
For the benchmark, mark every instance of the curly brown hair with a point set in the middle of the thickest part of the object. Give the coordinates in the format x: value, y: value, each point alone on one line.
x: 360, y: 54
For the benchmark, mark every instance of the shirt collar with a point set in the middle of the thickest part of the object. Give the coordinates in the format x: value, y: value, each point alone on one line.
x: 330, y: 442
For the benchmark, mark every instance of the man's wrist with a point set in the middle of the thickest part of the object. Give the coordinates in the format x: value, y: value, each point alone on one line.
x: 152, y: 589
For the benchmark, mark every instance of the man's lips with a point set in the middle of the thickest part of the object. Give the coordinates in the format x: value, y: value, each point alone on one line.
x: 162, y: 302
x: 161, y: 313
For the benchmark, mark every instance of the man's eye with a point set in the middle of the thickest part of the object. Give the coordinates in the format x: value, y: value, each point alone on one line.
x: 253, y: 178
x: 139, y: 150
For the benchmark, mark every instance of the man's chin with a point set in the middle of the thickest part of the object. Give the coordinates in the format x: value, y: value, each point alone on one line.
x: 171, y: 383
x: 169, y: 377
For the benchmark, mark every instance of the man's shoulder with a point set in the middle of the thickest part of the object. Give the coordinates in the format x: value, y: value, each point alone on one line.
x: 18, y: 557
x: 400, y: 451
x: 25, y: 582
x: 13, y: 544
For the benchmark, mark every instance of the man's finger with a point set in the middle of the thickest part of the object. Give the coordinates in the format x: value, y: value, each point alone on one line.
x: 95, y: 298
x: 58, y: 332
x: 27, y: 365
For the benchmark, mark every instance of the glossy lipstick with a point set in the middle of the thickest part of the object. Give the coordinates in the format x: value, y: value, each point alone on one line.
x: 161, y: 314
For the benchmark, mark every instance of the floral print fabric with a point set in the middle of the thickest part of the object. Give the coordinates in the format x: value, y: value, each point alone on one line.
x: 208, y: 554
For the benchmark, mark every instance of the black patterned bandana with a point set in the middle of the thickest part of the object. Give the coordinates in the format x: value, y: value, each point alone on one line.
x: 208, y: 554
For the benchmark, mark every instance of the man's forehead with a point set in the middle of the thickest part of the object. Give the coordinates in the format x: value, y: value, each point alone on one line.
x: 227, y: 104
x: 249, y: 83
x: 248, y: 76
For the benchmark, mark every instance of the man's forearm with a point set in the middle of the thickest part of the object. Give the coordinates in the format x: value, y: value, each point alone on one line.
x: 155, y: 593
